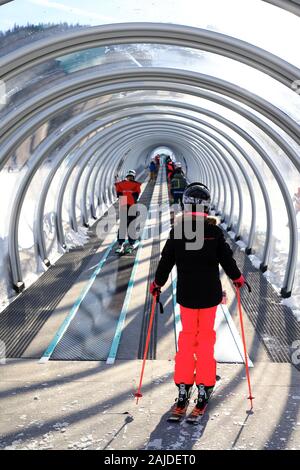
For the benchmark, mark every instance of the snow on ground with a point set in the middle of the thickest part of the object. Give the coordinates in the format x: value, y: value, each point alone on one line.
x: 292, y: 304
x: 242, y: 245
x: 255, y: 261
x: 77, y: 238
x: 232, y: 234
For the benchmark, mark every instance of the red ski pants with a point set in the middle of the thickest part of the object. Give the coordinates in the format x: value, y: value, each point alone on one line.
x: 194, y: 361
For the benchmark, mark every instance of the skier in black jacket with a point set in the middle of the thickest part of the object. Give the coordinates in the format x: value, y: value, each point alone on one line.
x: 199, y: 291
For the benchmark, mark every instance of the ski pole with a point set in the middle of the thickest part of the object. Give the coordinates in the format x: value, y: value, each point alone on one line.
x: 250, y: 397
x: 138, y: 394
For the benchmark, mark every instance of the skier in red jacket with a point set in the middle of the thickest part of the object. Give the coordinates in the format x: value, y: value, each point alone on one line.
x: 199, y: 292
x: 128, y: 191
x: 170, y: 170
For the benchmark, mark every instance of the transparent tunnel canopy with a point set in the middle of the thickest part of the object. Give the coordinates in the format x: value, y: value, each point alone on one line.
x: 110, y: 59
x: 244, y: 20
x: 200, y: 128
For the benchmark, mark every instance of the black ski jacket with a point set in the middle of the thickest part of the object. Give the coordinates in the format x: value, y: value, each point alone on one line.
x: 198, y: 277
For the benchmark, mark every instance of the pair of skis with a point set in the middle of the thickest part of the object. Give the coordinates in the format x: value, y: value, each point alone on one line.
x: 177, y: 414
x: 126, y: 248
x: 194, y: 417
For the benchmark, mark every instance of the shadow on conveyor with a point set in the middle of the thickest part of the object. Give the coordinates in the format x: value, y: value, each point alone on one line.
x: 100, y: 408
x: 91, y: 331
x: 165, y: 431
x: 181, y: 435
x: 137, y: 323
x: 22, y: 320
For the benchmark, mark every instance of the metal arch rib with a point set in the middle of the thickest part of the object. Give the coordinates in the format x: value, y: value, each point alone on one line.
x: 136, y: 135
x: 186, y: 80
x: 91, y: 155
x: 289, y: 206
x: 214, y: 153
x: 106, y: 150
x: 130, y: 77
x: 245, y: 175
x: 62, y: 154
x: 216, y: 162
x: 215, y: 116
x: 126, y: 33
x: 251, y: 194
x: 230, y: 173
x: 170, y: 103
x: 75, y: 160
x: 87, y: 157
x: 293, y: 6
x: 93, y: 127
x: 220, y: 170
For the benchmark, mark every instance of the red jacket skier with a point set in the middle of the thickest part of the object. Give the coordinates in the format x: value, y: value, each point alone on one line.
x: 128, y: 191
x: 170, y: 170
x: 199, y: 291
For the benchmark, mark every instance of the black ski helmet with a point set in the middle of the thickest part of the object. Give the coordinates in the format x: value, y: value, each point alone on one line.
x: 197, y: 194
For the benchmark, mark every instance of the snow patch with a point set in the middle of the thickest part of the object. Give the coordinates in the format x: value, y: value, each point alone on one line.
x: 292, y: 304
x: 255, y: 261
x: 79, y: 238
x: 242, y: 245
x: 232, y: 234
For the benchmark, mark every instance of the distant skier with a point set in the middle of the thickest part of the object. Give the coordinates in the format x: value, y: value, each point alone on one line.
x: 170, y: 170
x: 199, y: 291
x: 128, y: 191
x: 178, y: 184
x: 152, y: 169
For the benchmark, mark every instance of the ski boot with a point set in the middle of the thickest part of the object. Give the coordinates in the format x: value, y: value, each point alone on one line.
x: 121, y: 249
x: 181, y: 403
x: 130, y: 247
x: 204, y: 394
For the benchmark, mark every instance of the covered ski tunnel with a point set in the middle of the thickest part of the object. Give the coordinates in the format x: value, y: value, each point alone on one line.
x: 84, y: 100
